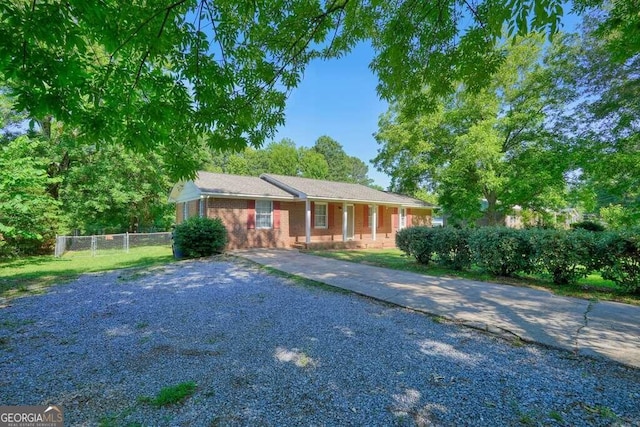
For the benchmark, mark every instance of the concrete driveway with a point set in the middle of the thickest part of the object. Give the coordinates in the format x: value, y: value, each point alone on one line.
x: 602, y: 329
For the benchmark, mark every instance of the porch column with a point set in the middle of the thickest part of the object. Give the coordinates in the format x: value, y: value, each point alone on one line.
x: 374, y: 221
x: 345, y: 218
x: 307, y: 221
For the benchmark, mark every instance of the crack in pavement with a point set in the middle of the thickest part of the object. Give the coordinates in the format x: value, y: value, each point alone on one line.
x: 585, y: 316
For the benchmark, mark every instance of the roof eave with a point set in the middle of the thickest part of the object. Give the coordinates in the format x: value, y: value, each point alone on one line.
x: 246, y: 196
x: 368, y: 201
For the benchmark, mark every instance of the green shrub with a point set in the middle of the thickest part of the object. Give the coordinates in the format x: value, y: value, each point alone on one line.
x: 451, y: 246
x: 622, y: 260
x: 502, y: 251
x: 416, y: 242
x: 566, y: 255
x: 402, y: 240
x: 198, y: 237
x: 588, y: 225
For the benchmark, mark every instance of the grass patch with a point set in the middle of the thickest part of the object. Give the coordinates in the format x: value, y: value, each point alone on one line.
x: 556, y: 416
x: 33, y: 275
x: 171, y: 395
x: 591, y: 287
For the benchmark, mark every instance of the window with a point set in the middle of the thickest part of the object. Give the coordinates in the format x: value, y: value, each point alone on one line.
x: 185, y: 211
x: 320, y: 215
x: 264, y: 214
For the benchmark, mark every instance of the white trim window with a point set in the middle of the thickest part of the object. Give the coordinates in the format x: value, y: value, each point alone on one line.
x: 403, y: 218
x: 264, y: 214
x: 320, y: 216
x: 185, y: 211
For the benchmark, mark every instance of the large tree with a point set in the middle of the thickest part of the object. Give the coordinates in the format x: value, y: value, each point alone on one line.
x: 326, y: 159
x: 109, y: 190
x: 342, y: 167
x: 166, y: 73
x: 483, y: 151
x: 605, y: 124
x: 29, y: 216
x: 50, y: 183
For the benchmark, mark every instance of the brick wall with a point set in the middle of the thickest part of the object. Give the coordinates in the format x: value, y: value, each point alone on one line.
x: 234, y: 215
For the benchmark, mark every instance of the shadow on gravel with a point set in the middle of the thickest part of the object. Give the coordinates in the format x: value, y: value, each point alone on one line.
x: 262, y: 350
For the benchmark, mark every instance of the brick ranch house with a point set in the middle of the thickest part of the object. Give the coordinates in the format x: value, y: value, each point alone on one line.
x: 285, y: 211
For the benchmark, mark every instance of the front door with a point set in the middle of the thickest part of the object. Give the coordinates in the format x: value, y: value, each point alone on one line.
x: 350, y: 222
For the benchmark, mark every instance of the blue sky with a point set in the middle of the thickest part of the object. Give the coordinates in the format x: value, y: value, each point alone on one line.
x: 338, y: 98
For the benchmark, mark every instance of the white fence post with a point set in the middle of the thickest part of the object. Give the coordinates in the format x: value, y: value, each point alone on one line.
x: 94, y: 245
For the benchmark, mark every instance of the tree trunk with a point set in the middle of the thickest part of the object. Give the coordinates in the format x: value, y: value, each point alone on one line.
x: 491, y: 214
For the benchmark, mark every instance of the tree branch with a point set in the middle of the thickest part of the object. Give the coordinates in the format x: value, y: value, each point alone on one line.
x: 160, y: 31
x: 474, y: 12
x: 215, y: 33
x: 24, y: 42
x: 145, y: 23
x: 513, y: 134
x: 317, y: 20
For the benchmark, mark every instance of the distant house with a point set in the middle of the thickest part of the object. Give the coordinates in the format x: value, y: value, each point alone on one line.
x: 285, y: 211
x: 562, y: 218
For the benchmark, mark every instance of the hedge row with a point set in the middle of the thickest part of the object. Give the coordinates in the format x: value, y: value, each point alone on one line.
x: 565, y: 255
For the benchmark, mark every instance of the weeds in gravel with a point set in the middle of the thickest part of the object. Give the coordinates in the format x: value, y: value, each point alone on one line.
x: 141, y: 325
x: 171, y: 395
x: 517, y: 342
x: 14, y: 324
x: 527, y: 419
x: 556, y: 416
x: 439, y: 319
x: 114, y: 419
x: 601, y: 410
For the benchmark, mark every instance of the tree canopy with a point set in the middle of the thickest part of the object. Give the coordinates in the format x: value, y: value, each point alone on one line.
x: 174, y: 73
x: 604, y: 124
x: 326, y: 159
x: 496, y: 144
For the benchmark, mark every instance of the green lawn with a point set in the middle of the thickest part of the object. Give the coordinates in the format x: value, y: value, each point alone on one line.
x: 34, y: 274
x: 591, y: 287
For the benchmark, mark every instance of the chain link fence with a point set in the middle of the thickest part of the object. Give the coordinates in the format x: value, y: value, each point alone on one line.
x: 103, y: 244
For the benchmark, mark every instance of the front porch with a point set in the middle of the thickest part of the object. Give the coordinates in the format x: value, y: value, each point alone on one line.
x: 350, y: 244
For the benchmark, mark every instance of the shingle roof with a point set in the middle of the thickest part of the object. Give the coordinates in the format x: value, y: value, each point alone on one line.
x: 219, y: 183
x: 290, y: 187
x: 331, y: 190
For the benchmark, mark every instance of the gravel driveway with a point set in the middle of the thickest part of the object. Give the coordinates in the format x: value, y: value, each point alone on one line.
x: 264, y: 350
